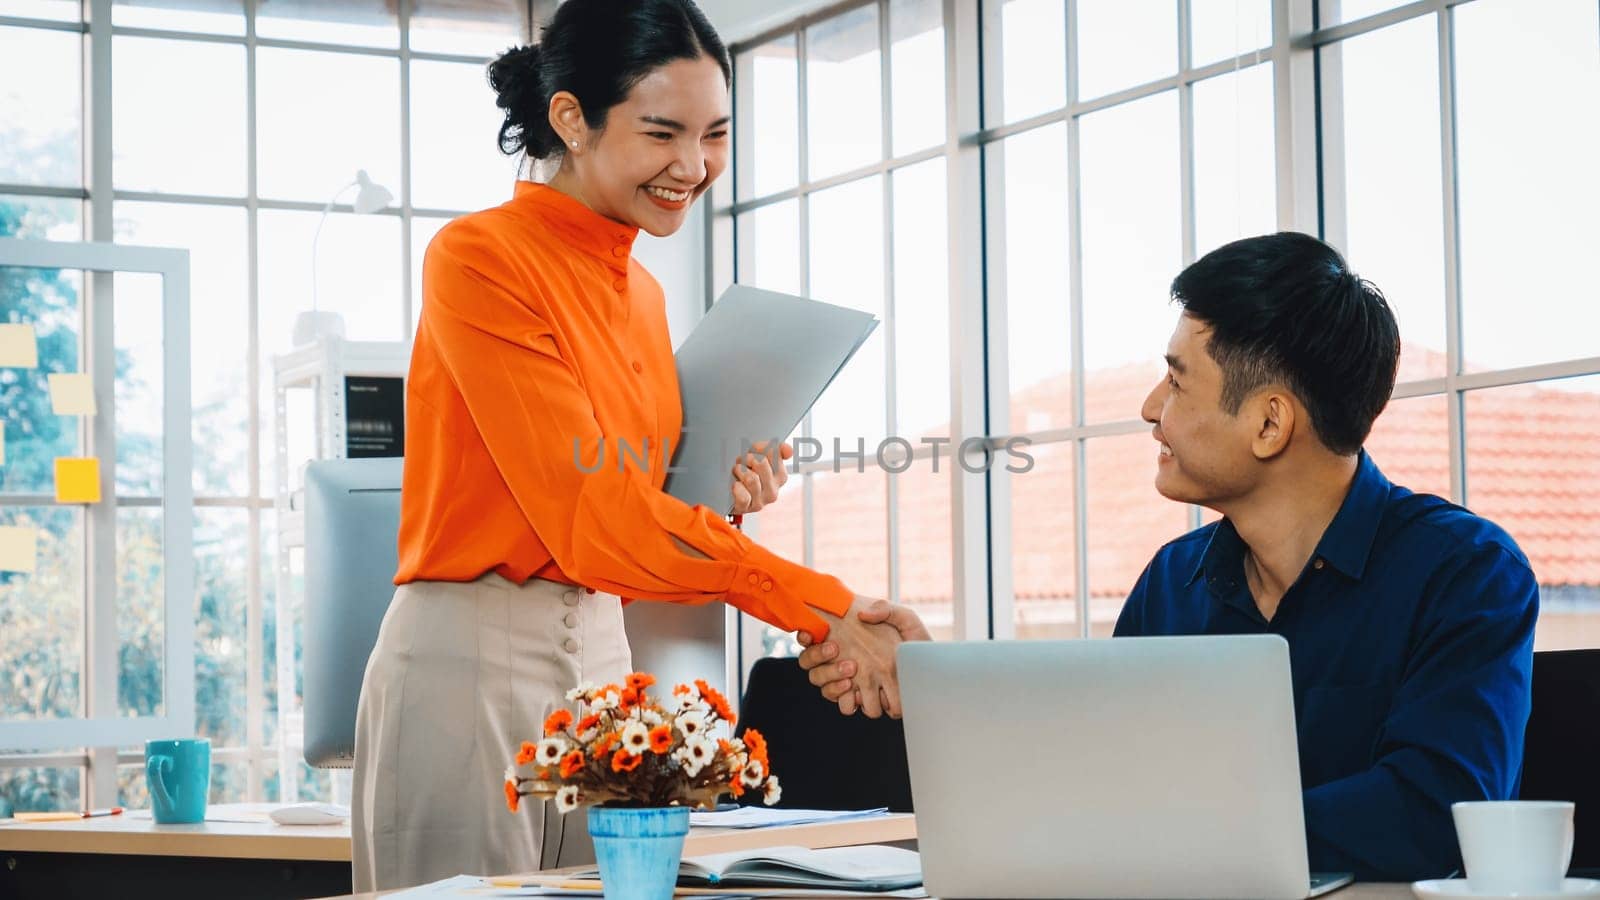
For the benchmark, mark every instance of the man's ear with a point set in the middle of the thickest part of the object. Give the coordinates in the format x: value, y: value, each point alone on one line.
x: 1273, y: 415
x: 566, y: 117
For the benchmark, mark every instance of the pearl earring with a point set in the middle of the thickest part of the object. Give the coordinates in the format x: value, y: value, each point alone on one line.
x: 574, y: 143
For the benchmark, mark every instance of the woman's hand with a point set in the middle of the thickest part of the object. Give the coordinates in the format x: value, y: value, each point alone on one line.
x: 757, y: 478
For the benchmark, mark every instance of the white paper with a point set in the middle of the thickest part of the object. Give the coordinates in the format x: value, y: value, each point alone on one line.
x: 762, y: 817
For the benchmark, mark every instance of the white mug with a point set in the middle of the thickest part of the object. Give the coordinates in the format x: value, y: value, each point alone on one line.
x: 1514, y: 846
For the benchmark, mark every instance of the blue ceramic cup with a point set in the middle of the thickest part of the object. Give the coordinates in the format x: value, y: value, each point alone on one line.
x: 179, y: 775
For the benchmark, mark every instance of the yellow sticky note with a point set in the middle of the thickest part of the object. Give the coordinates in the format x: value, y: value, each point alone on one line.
x: 18, y: 347
x: 72, y: 394
x: 19, y: 549
x: 77, y: 479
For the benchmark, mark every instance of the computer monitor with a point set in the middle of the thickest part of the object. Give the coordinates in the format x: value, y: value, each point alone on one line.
x: 352, y: 514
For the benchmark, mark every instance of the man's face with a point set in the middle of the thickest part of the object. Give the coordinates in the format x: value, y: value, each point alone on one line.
x: 1205, y: 453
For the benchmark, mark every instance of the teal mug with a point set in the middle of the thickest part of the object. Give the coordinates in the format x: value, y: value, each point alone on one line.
x: 179, y: 775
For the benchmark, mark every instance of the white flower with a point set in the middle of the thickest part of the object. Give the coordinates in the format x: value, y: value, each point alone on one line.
x: 579, y: 692
x: 567, y: 798
x: 692, y: 724
x: 773, y: 791
x: 511, y: 772
x: 549, y: 751
x: 695, y: 754
x: 753, y: 773
x: 636, y: 738
x: 651, y: 717
x: 608, y: 700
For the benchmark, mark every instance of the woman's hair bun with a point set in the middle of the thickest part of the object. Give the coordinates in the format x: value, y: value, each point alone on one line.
x: 516, y: 80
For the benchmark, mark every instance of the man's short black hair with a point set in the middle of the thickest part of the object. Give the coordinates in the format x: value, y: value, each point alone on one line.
x: 1285, y: 309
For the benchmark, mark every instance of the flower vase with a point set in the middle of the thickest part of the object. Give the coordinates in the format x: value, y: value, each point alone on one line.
x: 638, y: 850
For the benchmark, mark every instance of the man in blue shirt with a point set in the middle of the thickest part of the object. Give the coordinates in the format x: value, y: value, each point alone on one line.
x: 1409, y: 620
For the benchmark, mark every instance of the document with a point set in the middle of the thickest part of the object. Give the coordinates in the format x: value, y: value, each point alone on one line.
x: 873, y: 868
x: 767, y: 817
x: 748, y: 373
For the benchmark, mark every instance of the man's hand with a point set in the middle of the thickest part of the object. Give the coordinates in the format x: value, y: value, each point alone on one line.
x: 870, y: 647
x: 835, y: 672
x: 758, y: 477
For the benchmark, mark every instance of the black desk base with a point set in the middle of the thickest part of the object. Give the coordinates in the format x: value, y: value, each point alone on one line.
x: 31, y: 875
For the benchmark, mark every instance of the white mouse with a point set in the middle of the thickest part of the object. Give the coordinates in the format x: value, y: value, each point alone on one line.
x: 310, y: 814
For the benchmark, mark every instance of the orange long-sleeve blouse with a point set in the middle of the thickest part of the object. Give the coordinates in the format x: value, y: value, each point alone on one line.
x: 541, y: 341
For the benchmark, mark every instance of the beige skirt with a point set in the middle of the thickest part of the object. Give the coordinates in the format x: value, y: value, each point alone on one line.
x: 463, y: 673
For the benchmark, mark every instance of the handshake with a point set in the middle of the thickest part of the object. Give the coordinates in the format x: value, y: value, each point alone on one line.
x: 855, y: 666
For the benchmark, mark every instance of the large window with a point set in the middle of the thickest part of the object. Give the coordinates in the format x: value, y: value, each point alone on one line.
x: 1115, y: 143
x: 223, y: 127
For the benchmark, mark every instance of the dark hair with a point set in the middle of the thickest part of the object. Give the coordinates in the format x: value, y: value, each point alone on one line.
x: 597, y: 50
x: 1285, y: 308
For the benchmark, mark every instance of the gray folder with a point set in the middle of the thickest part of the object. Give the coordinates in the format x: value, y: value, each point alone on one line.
x: 748, y: 373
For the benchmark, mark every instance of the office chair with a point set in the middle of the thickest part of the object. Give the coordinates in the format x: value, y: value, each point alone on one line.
x: 823, y: 760
x: 1562, y: 745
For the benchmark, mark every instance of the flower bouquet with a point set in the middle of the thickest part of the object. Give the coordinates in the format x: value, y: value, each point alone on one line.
x: 644, y: 764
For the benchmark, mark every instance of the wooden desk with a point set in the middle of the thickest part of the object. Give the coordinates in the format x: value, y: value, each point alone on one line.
x: 131, y: 852
x: 1364, y: 891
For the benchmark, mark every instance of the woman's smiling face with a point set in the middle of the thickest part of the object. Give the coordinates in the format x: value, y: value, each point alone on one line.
x: 661, y: 147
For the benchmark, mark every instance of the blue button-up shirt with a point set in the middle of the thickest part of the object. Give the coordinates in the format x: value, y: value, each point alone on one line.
x: 1410, y: 644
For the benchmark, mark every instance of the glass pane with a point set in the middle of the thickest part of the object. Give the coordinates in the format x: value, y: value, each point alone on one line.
x: 1132, y: 248
x: 41, y: 218
x: 1032, y: 173
x: 1393, y: 197
x: 221, y: 572
x: 769, y: 247
x: 140, y: 382
x: 1525, y: 73
x: 847, y: 270
x: 422, y: 231
x: 1026, y: 42
x: 769, y: 120
x: 1123, y: 44
x: 1128, y: 522
x: 1044, y: 544
x: 478, y: 28
x: 371, y: 23
x: 916, y: 63
x: 41, y: 107
x: 141, y: 612
x: 41, y: 618
x: 780, y: 527
x: 455, y: 162
x: 350, y: 103
x: 160, y: 103
x: 1234, y: 165
x: 267, y: 538
x: 1223, y: 29
x: 851, y: 528
x: 921, y: 302
x: 926, y: 543
x: 230, y: 783
x: 1533, y: 452
x: 59, y: 10
x: 844, y: 98
x: 1333, y: 12
x: 54, y: 789
x: 217, y: 241
x: 210, y: 16
x: 358, y: 275
x: 48, y: 299
x: 1410, y: 442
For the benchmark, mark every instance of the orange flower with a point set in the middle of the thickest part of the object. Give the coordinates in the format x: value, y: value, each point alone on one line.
x: 630, y: 698
x: 680, y: 690
x: 526, y: 754
x: 511, y: 795
x: 757, y: 745
x: 558, y: 720
x: 572, y: 764
x: 735, y: 788
x: 719, y: 703
x: 640, y: 680
x: 544, y: 774
x: 661, y: 739
x: 606, y: 742
x: 623, y: 761
x: 725, y: 747
x: 588, y: 722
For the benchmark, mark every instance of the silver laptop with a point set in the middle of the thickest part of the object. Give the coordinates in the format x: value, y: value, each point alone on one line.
x: 1135, y: 767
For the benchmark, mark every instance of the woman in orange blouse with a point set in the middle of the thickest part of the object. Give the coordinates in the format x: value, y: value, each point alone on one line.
x: 543, y: 344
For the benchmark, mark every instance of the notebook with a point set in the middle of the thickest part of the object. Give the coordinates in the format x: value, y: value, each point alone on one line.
x: 748, y: 373
x: 870, y: 868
